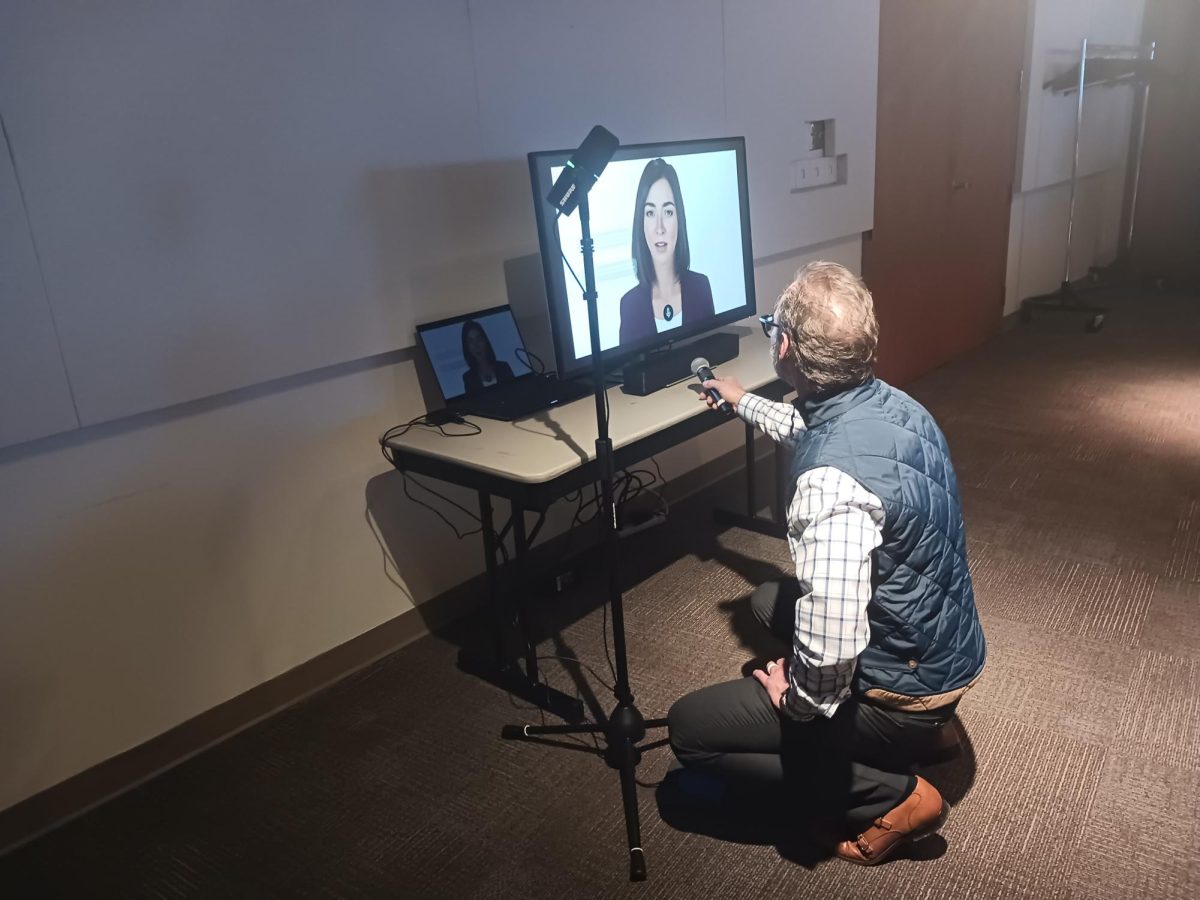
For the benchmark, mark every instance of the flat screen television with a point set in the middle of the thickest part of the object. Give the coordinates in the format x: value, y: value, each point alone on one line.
x: 673, y: 212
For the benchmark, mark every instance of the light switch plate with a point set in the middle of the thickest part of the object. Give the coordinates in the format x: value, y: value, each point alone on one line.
x: 820, y: 172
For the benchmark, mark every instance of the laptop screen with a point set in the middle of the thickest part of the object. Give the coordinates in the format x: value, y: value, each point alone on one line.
x: 470, y: 354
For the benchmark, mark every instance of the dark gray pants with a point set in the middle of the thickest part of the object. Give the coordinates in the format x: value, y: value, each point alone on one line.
x: 853, y: 767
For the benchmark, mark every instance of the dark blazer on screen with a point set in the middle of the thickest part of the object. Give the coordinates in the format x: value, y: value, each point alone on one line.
x: 637, y: 310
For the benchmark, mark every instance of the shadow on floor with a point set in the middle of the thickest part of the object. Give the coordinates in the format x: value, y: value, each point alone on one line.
x: 699, y: 804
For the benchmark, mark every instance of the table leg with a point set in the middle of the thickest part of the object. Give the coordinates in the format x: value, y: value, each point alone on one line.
x: 499, y: 667
x: 522, y: 592
x: 751, y: 490
x: 500, y: 623
x: 782, y: 495
x: 751, y: 520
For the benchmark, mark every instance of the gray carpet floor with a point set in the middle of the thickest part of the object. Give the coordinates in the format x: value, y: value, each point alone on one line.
x: 1079, y: 461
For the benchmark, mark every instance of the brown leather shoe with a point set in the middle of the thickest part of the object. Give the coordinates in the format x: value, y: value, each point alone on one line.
x: 920, y: 815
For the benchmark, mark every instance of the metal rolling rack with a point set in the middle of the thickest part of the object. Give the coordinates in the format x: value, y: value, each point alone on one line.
x: 1099, y: 65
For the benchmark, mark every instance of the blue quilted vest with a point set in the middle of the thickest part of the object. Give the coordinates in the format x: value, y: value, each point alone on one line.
x: 925, y: 633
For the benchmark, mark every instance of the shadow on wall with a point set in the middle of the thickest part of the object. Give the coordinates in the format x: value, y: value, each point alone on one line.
x: 116, y: 599
x: 525, y: 292
x: 452, y: 240
x: 448, y: 240
x: 463, y: 614
x: 402, y: 530
x: 525, y: 283
x: 442, y: 235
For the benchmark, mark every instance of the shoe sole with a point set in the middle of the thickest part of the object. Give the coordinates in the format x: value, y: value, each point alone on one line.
x: 910, y: 838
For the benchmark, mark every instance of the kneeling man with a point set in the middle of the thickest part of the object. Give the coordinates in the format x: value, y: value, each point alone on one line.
x: 880, y: 636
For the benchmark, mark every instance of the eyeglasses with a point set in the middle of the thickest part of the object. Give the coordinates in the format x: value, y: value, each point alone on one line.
x: 768, y: 322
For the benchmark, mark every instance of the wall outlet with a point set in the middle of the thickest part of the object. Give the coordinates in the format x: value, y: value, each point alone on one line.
x: 814, y: 173
x: 657, y: 518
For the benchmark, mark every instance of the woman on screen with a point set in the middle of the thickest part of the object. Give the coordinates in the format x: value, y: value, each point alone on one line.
x: 483, y: 369
x: 668, y: 292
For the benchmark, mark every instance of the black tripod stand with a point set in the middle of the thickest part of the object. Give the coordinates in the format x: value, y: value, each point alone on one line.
x: 625, y: 726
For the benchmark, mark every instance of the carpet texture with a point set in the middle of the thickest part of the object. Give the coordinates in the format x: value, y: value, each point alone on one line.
x: 1079, y: 462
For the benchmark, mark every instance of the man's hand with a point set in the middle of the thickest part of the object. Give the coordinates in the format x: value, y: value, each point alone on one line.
x: 729, y: 389
x: 775, y: 680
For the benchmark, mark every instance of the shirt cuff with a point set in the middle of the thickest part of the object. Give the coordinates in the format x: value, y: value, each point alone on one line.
x: 746, y: 406
x: 786, y: 710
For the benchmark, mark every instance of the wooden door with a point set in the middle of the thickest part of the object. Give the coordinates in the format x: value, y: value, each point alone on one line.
x: 1166, y: 228
x: 946, y: 145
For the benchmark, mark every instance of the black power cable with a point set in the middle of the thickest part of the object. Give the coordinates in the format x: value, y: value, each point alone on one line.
x: 424, y: 421
x: 529, y: 359
x: 458, y: 534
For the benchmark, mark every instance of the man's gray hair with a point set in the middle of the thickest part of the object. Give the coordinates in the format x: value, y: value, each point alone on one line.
x: 829, y: 316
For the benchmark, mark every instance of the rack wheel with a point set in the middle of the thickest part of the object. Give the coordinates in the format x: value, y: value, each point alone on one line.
x: 1095, y: 323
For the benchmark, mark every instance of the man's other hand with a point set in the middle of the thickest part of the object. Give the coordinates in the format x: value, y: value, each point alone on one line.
x: 729, y: 389
x: 774, y: 679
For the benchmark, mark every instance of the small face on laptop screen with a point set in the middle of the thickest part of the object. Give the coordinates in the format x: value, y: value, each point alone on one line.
x: 473, y: 354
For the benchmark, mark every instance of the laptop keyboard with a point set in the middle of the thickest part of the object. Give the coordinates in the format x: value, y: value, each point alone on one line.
x: 526, y: 398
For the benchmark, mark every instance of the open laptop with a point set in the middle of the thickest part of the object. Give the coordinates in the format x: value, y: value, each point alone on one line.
x: 482, y: 367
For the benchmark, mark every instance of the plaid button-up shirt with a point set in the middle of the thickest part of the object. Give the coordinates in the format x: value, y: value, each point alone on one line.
x: 834, y: 525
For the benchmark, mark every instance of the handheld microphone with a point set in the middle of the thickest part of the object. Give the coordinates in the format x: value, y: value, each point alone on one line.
x: 701, y: 370
x: 582, y: 169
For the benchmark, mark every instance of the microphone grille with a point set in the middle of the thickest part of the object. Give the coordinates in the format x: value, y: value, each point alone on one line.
x: 699, y: 363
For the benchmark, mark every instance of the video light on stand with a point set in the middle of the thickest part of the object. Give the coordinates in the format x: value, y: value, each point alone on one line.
x: 625, y: 725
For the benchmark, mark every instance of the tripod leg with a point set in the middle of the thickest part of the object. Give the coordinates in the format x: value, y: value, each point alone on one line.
x: 516, y: 732
x: 633, y: 829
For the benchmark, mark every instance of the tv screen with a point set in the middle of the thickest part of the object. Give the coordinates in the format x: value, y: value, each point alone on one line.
x: 671, y: 228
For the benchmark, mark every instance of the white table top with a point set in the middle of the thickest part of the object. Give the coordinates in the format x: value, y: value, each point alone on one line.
x: 552, y: 442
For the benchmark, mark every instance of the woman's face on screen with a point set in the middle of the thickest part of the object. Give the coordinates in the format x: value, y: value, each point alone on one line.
x: 476, y: 345
x: 660, y: 222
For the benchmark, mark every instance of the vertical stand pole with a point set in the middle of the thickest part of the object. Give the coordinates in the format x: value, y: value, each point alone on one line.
x: 1141, y: 140
x: 625, y: 726
x: 1066, y: 285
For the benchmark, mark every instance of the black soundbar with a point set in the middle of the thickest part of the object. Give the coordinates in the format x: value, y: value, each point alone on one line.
x: 660, y: 369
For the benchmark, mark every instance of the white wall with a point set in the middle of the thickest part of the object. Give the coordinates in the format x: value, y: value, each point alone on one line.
x: 1038, y: 227
x: 222, y: 195
x: 35, y: 399
x: 198, y: 178
x: 154, y: 566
